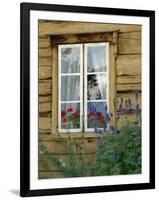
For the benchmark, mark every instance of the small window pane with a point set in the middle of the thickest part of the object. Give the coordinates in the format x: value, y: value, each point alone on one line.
x: 70, y: 115
x: 70, y: 60
x: 96, y: 59
x: 96, y: 87
x: 70, y: 88
x: 96, y: 115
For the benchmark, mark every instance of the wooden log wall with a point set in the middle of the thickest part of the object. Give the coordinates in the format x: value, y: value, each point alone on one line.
x: 128, y: 82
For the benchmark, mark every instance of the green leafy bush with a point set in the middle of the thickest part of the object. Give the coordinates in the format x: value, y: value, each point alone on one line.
x: 116, y: 154
x: 120, y: 153
x: 75, y: 165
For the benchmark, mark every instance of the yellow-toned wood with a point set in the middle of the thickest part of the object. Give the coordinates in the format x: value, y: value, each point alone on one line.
x: 45, y: 165
x: 44, y: 123
x: 45, y: 52
x: 57, y: 145
x: 129, y: 79
x: 130, y: 35
x: 44, y: 42
x: 132, y: 96
x: 49, y: 174
x: 45, y: 87
x: 129, y: 87
x: 45, y: 107
x: 125, y: 119
x: 44, y: 62
x: 82, y: 38
x: 128, y: 65
x: 129, y: 46
x: 54, y: 89
x: 56, y: 28
x: 112, y: 78
x: 45, y: 99
x: 45, y: 72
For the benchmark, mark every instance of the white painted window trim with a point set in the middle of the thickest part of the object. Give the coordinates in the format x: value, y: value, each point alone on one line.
x: 86, y: 45
x: 83, y: 74
x: 59, y: 87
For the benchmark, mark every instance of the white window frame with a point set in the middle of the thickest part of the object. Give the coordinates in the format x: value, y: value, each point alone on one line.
x: 59, y: 87
x: 83, y: 74
x: 86, y: 45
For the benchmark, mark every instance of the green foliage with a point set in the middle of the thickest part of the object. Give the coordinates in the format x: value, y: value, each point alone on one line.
x: 75, y: 165
x: 120, y: 153
x: 117, y: 153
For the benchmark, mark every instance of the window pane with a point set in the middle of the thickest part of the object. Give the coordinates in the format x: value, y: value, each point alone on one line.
x: 70, y: 60
x: 70, y: 115
x: 70, y: 88
x: 96, y: 59
x: 96, y: 87
x: 96, y: 114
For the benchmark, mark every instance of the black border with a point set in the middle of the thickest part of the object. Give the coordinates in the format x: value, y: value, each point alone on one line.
x: 25, y: 9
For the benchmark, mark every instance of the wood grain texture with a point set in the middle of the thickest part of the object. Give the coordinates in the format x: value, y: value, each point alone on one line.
x: 44, y: 123
x: 54, y: 89
x: 129, y: 87
x: 82, y: 38
x: 59, y: 27
x: 45, y: 87
x: 44, y: 52
x: 128, y: 65
x: 45, y: 73
x: 129, y: 46
x: 125, y: 119
x: 45, y: 98
x: 135, y: 99
x: 45, y: 107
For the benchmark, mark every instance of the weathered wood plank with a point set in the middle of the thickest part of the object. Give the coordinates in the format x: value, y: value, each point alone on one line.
x: 44, y: 52
x: 45, y: 107
x: 112, y: 80
x: 128, y: 65
x: 45, y: 87
x: 125, y: 119
x: 44, y: 42
x: 44, y: 163
x: 82, y: 38
x: 44, y: 123
x: 54, y: 89
x: 49, y: 174
x: 130, y: 35
x: 45, y: 72
x: 135, y: 99
x: 129, y: 79
x: 129, y: 46
x: 45, y: 98
x: 129, y: 87
x: 58, y: 146
x: 44, y: 62
x: 56, y: 28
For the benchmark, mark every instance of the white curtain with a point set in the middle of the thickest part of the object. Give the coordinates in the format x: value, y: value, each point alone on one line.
x: 97, y: 63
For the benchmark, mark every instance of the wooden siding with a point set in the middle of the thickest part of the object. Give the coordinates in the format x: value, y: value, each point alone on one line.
x: 127, y: 52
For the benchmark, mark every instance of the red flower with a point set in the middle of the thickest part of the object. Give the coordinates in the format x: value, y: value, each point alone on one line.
x: 98, y: 114
x: 101, y: 119
x: 69, y: 110
x: 63, y: 113
x: 76, y: 114
x: 64, y: 120
x: 90, y: 115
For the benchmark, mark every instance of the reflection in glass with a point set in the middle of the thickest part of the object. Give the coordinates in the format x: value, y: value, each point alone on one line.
x: 70, y: 60
x: 96, y: 87
x: 96, y: 59
x: 70, y: 115
x: 70, y: 88
x: 96, y: 115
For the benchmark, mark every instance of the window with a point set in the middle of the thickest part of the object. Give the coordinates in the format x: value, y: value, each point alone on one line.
x: 83, y: 86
